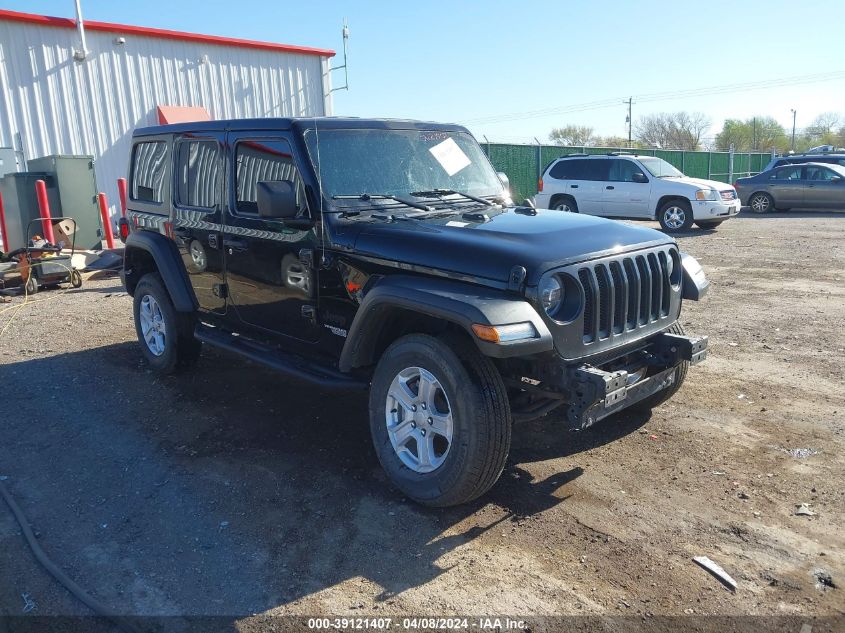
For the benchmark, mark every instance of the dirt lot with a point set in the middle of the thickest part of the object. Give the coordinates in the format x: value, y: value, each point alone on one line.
x: 231, y: 491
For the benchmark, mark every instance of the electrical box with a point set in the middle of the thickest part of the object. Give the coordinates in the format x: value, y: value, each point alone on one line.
x: 20, y: 204
x: 77, y: 188
x: 8, y: 161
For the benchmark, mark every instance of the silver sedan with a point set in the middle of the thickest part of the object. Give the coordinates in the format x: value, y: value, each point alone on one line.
x: 808, y: 185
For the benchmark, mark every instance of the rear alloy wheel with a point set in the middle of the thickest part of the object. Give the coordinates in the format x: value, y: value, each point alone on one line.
x: 761, y: 203
x: 565, y: 204
x: 675, y: 215
x: 440, y: 419
x: 166, y: 336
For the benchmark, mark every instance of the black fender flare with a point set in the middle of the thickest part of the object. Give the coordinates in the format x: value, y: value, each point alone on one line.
x: 456, y: 302
x: 169, y: 263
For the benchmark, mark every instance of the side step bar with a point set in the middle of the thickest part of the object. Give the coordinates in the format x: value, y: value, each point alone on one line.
x: 289, y: 364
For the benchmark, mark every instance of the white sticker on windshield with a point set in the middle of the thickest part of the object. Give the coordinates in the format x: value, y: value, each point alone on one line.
x: 451, y: 157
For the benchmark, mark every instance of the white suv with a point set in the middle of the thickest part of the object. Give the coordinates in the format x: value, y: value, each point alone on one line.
x: 636, y: 187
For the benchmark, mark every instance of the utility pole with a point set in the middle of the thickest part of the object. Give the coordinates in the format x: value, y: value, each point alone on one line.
x: 794, y: 113
x: 628, y: 119
x: 754, y: 135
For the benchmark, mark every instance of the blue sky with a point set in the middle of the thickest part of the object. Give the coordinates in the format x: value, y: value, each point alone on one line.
x: 462, y: 61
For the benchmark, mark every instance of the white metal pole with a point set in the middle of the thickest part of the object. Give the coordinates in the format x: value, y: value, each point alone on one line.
x: 80, y: 26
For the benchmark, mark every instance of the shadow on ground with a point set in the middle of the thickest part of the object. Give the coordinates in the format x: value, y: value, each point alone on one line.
x: 231, y: 490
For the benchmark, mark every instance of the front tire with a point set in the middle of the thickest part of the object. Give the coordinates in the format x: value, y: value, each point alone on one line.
x: 761, y: 203
x: 675, y: 216
x: 707, y: 225
x: 440, y: 419
x: 166, y: 336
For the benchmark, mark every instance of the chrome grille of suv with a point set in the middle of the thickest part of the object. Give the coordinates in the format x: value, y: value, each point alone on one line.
x: 624, y: 294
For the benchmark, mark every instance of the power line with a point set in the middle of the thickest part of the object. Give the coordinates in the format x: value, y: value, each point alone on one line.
x: 664, y: 96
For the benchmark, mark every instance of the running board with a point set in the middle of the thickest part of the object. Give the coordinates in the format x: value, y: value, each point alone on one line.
x: 289, y: 364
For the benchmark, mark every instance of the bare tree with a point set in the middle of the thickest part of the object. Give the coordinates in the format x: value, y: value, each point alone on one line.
x: 672, y: 130
x: 824, y: 125
x: 577, y: 135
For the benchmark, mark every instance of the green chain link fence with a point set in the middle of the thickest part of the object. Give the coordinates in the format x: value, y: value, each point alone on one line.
x: 524, y: 164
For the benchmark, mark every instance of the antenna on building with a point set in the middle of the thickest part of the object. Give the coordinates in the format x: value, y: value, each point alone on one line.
x: 80, y: 55
x: 345, y: 85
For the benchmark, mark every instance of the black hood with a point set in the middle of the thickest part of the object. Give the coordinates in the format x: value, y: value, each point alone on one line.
x: 489, y: 249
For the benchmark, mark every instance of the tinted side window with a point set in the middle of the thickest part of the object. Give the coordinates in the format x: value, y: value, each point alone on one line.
x: 622, y: 170
x: 595, y: 169
x: 149, y: 168
x: 787, y: 173
x: 565, y: 170
x: 820, y: 173
x: 264, y: 160
x: 197, y: 174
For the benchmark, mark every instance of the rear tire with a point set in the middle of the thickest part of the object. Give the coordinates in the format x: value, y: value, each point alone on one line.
x: 166, y: 336
x: 761, y: 203
x: 660, y: 397
x: 31, y: 284
x: 675, y: 216
x: 469, y: 387
x: 564, y: 203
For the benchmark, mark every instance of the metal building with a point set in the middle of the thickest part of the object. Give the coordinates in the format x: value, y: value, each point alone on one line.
x: 56, y: 98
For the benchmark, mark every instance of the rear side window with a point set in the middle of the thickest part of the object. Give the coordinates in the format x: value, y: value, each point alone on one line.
x: 580, y: 169
x: 197, y: 174
x: 788, y: 173
x: 149, y: 171
x: 595, y: 169
x: 565, y: 170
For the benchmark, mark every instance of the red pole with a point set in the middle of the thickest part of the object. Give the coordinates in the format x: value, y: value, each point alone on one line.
x: 121, y: 188
x: 44, y: 209
x: 104, y: 212
x: 3, y: 232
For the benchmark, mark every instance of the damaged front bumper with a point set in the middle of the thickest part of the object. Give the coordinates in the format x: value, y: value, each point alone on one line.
x: 598, y: 393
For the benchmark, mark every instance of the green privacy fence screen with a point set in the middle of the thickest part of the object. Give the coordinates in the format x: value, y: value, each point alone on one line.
x: 524, y: 163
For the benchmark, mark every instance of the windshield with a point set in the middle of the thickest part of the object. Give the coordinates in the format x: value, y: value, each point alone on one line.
x: 659, y: 168
x: 400, y: 163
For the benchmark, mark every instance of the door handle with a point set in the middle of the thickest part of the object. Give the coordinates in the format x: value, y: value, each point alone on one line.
x: 610, y: 187
x: 574, y: 186
x: 234, y: 244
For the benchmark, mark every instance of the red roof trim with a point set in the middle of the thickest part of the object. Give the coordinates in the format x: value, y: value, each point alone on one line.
x: 125, y: 29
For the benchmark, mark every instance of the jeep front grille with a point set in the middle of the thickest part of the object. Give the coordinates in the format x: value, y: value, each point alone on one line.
x: 624, y: 294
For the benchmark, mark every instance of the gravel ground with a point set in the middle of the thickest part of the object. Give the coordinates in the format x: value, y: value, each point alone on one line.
x: 231, y: 491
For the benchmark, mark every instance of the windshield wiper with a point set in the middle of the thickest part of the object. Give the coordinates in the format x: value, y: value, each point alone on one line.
x: 364, y: 197
x: 439, y: 193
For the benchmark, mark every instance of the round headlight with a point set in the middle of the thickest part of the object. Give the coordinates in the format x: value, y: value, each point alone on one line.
x: 551, y: 294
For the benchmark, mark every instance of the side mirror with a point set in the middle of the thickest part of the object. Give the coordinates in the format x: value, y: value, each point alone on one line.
x: 276, y: 199
x: 639, y: 177
x: 503, y: 177
x: 837, y: 180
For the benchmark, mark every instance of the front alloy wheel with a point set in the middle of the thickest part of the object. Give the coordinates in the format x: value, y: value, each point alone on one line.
x: 419, y: 419
x: 439, y: 418
x: 675, y: 216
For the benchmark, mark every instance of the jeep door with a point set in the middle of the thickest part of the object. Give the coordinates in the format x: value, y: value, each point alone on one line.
x: 823, y: 188
x: 622, y: 196
x: 197, y: 209
x: 270, y: 272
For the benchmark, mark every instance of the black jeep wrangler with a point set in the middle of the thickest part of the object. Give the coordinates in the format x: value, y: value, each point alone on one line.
x: 388, y: 255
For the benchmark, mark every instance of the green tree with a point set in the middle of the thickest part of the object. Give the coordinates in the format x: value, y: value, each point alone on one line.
x: 573, y: 135
x: 755, y: 134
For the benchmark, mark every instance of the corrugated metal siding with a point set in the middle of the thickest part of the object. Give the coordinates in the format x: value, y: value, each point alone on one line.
x: 60, y: 106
